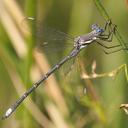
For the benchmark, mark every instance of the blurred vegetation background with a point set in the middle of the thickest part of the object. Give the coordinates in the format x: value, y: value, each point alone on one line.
x: 66, y: 101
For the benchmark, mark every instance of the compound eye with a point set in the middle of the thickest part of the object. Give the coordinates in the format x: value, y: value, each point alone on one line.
x: 100, y: 30
x: 94, y: 26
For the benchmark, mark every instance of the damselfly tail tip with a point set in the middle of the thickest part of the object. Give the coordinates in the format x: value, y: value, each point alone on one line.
x: 7, y: 114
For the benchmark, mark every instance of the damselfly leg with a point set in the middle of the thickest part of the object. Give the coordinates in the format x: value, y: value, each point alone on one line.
x: 111, y: 28
x: 108, y: 37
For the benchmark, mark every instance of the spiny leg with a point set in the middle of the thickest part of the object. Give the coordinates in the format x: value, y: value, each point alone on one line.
x: 107, y: 26
x: 111, y: 47
x: 108, y: 47
x: 111, y: 27
x: 110, y: 52
x: 108, y: 23
x: 111, y: 30
x: 108, y: 37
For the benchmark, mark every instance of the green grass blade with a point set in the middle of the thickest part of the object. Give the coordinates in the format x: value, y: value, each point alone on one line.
x: 101, y: 9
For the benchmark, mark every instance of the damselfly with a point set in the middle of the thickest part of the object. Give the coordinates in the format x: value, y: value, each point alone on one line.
x: 96, y: 35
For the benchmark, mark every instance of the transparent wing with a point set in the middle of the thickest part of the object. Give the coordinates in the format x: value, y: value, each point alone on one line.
x: 71, y: 69
x: 51, y: 40
x: 47, y: 38
x: 68, y: 67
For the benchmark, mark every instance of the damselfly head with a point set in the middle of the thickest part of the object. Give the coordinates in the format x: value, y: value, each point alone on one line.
x: 95, y: 26
x: 97, y: 29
